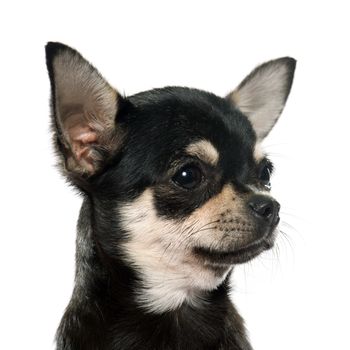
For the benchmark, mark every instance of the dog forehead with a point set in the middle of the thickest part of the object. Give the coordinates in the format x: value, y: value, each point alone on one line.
x: 179, y: 117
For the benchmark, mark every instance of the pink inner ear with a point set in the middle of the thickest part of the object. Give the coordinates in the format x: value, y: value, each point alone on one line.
x: 81, y: 139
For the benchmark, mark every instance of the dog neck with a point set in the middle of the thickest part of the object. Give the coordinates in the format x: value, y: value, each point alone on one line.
x: 104, y: 299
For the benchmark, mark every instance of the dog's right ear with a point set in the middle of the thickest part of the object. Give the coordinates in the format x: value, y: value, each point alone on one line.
x: 84, y: 110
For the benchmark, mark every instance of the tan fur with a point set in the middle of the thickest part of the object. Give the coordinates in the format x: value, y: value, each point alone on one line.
x: 259, y: 153
x: 205, y: 151
x: 162, y: 249
x: 234, y: 96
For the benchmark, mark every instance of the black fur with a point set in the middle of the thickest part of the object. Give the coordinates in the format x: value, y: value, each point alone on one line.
x: 102, y: 314
x: 158, y: 125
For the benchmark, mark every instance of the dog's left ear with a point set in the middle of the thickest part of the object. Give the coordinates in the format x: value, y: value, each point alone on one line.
x: 261, y: 96
x: 84, y: 109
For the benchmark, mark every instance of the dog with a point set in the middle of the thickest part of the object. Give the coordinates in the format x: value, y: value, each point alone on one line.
x: 176, y: 192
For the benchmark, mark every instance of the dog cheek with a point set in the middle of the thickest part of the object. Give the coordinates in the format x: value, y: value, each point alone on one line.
x: 148, y: 234
x: 222, y: 223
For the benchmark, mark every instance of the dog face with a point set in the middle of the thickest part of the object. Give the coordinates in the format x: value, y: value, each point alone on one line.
x: 177, y: 176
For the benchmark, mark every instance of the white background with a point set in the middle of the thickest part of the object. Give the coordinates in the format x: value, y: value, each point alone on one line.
x: 296, y: 297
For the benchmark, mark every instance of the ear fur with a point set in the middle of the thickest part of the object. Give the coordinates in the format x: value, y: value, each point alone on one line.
x: 84, y: 110
x: 262, y: 95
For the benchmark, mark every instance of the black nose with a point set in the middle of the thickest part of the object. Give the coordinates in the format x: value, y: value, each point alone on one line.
x: 265, y: 208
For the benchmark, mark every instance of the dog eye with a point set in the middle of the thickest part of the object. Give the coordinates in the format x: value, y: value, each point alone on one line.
x: 189, y: 177
x: 265, y: 175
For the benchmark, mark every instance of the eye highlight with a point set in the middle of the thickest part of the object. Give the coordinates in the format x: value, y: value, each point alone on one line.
x: 188, y: 177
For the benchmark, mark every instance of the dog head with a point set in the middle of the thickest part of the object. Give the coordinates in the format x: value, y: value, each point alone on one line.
x: 179, y: 181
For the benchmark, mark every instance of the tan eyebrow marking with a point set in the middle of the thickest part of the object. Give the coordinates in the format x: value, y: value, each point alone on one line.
x: 259, y: 154
x: 204, y: 150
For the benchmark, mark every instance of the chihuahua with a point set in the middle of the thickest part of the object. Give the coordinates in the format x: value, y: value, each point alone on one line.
x: 175, y: 191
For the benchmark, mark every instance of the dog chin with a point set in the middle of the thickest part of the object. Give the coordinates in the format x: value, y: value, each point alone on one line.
x: 239, y: 255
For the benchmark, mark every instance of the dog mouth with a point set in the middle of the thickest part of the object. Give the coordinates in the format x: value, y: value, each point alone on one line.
x: 239, y: 255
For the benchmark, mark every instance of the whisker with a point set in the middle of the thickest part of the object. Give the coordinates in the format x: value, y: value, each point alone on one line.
x: 287, y: 238
x: 283, y: 212
x: 288, y: 225
x: 271, y: 145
